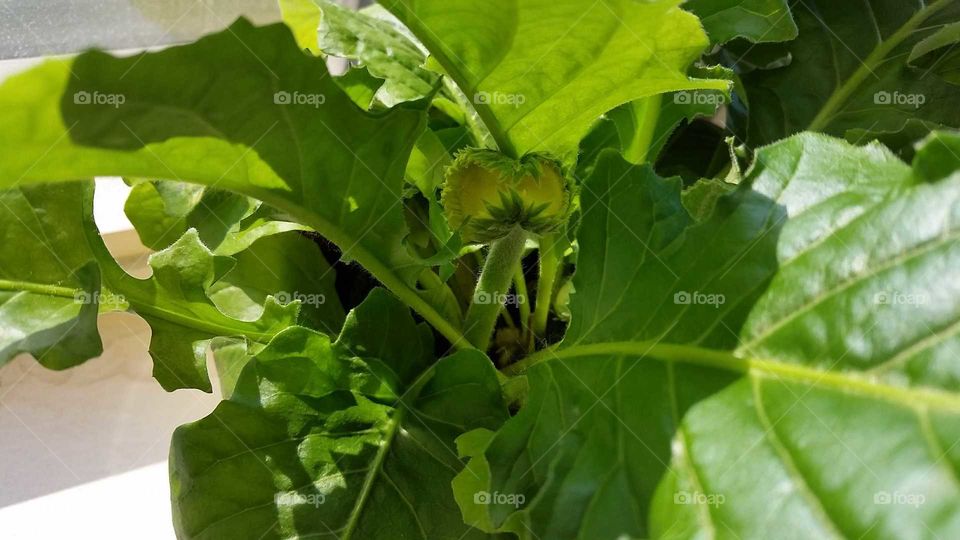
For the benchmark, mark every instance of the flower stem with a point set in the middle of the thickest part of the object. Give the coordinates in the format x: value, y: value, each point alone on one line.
x: 492, y: 287
x: 520, y: 286
x: 551, y: 252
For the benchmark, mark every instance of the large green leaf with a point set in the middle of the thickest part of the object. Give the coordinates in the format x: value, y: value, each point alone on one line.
x: 540, y: 73
x: 826, y: 450
x: 656, y: 327
x: 243, y: 110
x: 350, y: 439
x: 889, y: 284
x: 852, y: 64
x: 657, y: 275
x: 805, y: 457
x: 49, y: 280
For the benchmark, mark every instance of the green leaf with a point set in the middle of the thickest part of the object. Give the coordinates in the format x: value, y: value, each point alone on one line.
x: 428, y: 162
x: 777, y: 456
x: 350, y: 439
x: 303, y: 18
x: 938, y: 53
x: 372, y: 38
x: 701, y: 198
x: 244, y: 110
x: 642, y: 128
x: 757, y: 21
x: 360, y: 85
x: 289, y: 267
x: 887, y: 285
x: 856, y: 83
x: 656, y: 274
x: 182, y: 317
x: 51, y: 290
x: 49, y: 282
x: 540, y: 75
x: 270, y: 257
x: 381, y: 47
x: 228, y: 223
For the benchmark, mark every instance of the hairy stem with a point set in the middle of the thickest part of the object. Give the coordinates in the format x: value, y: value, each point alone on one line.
x: 523, y: 304
x: 551, y: 253
x: 492, y: 286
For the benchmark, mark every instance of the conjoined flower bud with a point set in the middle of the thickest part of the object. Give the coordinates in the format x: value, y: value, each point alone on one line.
x: 487, y: 194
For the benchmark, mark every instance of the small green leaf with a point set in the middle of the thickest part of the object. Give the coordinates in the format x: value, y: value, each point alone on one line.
x: 289, y: 267
x: 757, y: 21
x: 372, y: 38
x: 701, y: 198
x: 642, y: 128
x: 938, y: 52
x: 228, y: 223
x: 360, y: 85
x: 428, y: 163
x: 303, y: 18
x: 175, y: 302
x: 381, y: 47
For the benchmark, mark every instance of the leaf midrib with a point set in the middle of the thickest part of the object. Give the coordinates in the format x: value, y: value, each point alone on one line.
x: 141, y: 307
x: 842, y: 381
x: 38, y: 288
x: 372, y: 473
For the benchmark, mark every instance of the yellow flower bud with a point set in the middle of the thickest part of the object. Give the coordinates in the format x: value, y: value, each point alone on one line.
x: 487, y: 194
